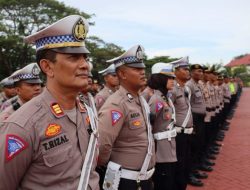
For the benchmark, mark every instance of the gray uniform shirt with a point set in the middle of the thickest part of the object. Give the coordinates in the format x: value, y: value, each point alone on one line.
x: 162, y: 113
x: 179, y: 97
x: 197, y: 101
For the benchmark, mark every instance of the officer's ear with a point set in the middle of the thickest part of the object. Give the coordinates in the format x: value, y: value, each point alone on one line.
x: 121, y: 73
x: 47, y: 67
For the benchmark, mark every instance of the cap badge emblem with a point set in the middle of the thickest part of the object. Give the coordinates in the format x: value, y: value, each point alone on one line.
x: 139, y: 53
x: 35, y: 70
x: 79, y: 31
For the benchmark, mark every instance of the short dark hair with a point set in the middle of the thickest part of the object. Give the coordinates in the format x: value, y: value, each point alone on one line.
x: 46, y: 54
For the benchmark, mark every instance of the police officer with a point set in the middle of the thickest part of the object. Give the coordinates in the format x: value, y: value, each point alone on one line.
x: 28, y: 85
x: 126, y: 142
x: 147, y: 92
x: 180, y: 96
x: 8, y: 88
x: 163, y: 119
x: 86, y: 97
x: 46, y: 141
x: 198, y: 112
x: 111, y: 85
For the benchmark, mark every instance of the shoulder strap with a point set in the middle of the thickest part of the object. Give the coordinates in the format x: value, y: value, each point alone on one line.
x: 87, y: 165
x: 184, y: 124
x: 146, y: 112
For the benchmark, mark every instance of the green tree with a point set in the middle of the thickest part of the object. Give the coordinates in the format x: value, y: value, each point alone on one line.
x: 21, y: 18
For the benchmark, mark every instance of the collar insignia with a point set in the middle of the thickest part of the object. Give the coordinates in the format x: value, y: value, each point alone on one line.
x: 56, y: 109
x: 130, y: 97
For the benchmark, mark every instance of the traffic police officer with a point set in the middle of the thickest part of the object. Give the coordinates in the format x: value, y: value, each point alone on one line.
x: 8, y: 88
x: 46, y: 144
x: 126, y: 142
x: 198, y: 112
x: 163, y: 120
x: 180, y: 96
x: 28, y: 85
x: 111, y: 85
x: 86, y: 97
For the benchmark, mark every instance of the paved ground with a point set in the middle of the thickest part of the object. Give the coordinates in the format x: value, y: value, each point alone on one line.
x: 232, y: 169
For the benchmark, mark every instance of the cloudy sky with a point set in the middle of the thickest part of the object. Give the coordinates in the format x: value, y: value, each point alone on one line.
x: 209, y: 31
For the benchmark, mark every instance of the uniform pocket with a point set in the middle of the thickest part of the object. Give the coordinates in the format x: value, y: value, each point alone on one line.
x: 58, y: 156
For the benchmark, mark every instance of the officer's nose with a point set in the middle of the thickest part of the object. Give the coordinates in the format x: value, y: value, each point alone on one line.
x: 83, y: 63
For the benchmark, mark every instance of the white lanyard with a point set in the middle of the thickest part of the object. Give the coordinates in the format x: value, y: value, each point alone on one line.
x: 150, y: 138
x: 86, y: 168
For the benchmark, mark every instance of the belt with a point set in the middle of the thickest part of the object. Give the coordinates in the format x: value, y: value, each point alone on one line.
x: 165, y: 135
x: 184, y: 130
x: 135, y: 175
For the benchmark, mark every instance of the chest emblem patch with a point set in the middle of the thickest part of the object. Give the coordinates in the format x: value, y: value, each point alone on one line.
x: 52, y: 130
x: 115, y: 116
x: 137, y: 123
x: 14, y: 145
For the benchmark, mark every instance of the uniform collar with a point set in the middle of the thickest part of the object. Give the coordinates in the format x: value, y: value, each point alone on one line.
x: 124, y: 92
x: 110, y: 91
x: 55, y: 108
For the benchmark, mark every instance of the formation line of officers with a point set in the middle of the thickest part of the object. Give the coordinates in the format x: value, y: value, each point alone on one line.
x: 160, y: 132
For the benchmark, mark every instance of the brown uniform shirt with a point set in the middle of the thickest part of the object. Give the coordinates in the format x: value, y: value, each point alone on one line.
x: 7, y: 103
x: 10, y: 109
x: 3, y: 98
x: 102, y: 96
x: 162, y: 113
x: 123, y: 131
x: 89, y: 100
x: 41, y: 148
x: 179, y: 97
x: 197, y: 101
x: 147, y: 93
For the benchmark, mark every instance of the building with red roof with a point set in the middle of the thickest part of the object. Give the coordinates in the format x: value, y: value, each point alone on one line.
x: 239, y: 61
